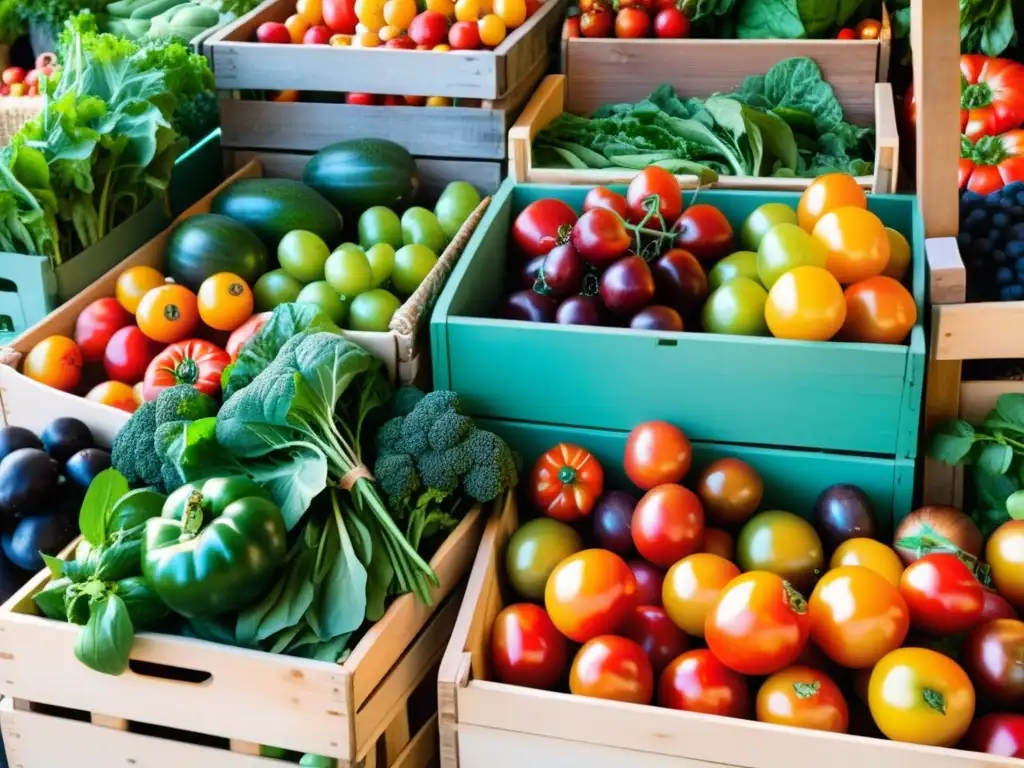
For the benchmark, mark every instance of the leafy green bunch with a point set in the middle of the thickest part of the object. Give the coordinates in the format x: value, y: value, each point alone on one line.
x: 54, y: 13
x: 766, y: 19
x: 12, y: 26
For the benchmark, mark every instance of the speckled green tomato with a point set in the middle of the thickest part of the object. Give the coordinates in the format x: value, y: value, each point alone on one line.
x: 784, y: 544
x: 739, y: 264
x: 534, y: 551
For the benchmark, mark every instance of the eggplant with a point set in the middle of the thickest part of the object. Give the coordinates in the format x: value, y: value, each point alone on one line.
x: 65, y: 437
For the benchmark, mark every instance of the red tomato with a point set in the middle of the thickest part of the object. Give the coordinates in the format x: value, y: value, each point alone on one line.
x: 993, y: 655
x: 652, y: 182
x: 194, y: 362
x: 943, y: 596
x: 602, y: 197
x: 649, y: 580
x: 318, y: 35
x: 96, y: 324
x: 566, y: 482
x: 993, y: 92
x: 56, y: 361
x: 869, y: 29
x: 610, y: 667
x: 600, y: 237
x: 671, y: 23
x: 652, y: 629
x: 572, y: 27
x: 802, y: 697
x: 632, y: 22
x: 116, y: 394
x: 244, y: 332
x: 993, y: 162
x: 668, y: 524
x: 847, y: 34
x: 429, y: 28
x: 657, y: 453
x: 698, y: 682
x: 998, y: 734
x: 758, y: 625
x: 597, y: 24
x: 879, y: 310
x: 539, y: 228
x: 128, y: 354
x: 590, y: 593
x: 340, y: 16
x: 996, y: 607
x: 361, y: 99
x: 464, y: 36
x: 526, y: 648
x: 704, y: 231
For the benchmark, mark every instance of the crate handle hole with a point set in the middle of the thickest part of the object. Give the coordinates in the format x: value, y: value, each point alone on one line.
x: 668, y: 342
x: 167, y: 672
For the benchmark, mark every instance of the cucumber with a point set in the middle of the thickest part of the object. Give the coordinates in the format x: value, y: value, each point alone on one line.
x: 274, y: 207
x: 205, y: 244
x: 123, y: 9
x: 131, y: 29
x: 155, y: 8
x: 360, y: 173
x: 192, y: 15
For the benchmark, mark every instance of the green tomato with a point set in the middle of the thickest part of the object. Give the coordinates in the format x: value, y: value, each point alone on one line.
x: 761, y: 222
x: 737, y: 308
x: 274, y: 288
x: 456, y: 203
x: 786, y: 247
x: 302, y: 255
x: 348, y: 271
x: 739, y: 264
x: 533, y: 552
x: 324, y: 296
x: 380, y: 225
x: 373, y: 310
x: 421, y: 227
x: 412, y: 265
x: 382, y: 263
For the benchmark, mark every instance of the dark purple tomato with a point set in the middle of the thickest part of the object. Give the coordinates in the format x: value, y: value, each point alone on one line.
x: 531, y: 307
x: 627, y: 286
x: 649, y: 579
x: 529, y: 272
x: 657, y: 318
x: 681, y: 281
x: 600, y: 236
x: 563, y: 270
x: 844, y: 512
x: 579, y: 310
x: 612, y: 516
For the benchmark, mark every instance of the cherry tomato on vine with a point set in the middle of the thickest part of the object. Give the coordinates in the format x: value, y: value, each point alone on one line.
x: 803, y: 697
x: 566, y: 482
x: 96, y: 324
x: 590, y: 593
x: 997, y: 734
x: 692, y: 587
x: 526, y: 648
x: 602, y: 197
x: 537, y: 229
x: 879, y: 310
x: 652, y: 629
x: 656, y: 453
x: 632, y: 23
x: 942, y: 594
x: 698, y: 682
x: 169, y: 313
x: 654, y: 180
x: 56, y: 361
x: 614, y: 668
x: 600, y: 237
x: 668, y: 524
x: 856, y: 241
x: 705, y: 232
x: 1005, y: 556
x: 730, y: 491
x: 828, y: 193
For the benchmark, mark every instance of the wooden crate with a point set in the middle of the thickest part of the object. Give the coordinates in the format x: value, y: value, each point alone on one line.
x: 241, y: 64
x: 556, y: 95
x: 485, y: 724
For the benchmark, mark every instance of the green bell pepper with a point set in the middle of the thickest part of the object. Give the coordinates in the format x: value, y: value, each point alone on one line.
x: 217, y: 547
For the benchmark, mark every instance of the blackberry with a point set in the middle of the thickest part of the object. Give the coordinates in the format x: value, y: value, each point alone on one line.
x: 1001, y: 220
x: 1012, y: 292
x: 1005, y: 276
x: 999, y: 256
x: 1015, y: 249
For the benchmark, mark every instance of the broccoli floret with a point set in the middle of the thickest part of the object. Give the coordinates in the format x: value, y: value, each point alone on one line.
x: 449, y: 430
x: 417, y: 425
x: 494, y: 468
x: 405, y: 399
x: 438, y: 469
x: 389, y: 437
x: 133, y: 452
x: 397, y: 475
x: 183, y: 403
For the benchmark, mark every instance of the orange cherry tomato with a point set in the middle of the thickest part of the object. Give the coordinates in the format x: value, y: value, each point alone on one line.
x: 610, y: 667
x: 225, y: 301
x: 667, y: 524
x: 803, y: 697
x: 806, y: 303
x: 919, y: 696
x: 758, y: 625
x: 116, y: 394
x: 526, y: 648
x: 879, y: 310
x: 656, y: 453
x: 869, y: 29
x: 297, y: 27
x: 167, y: 314
x: 719, y: 542
x: 1005, y: 555
x: 134, y: 283
x: 858, y: 246
x: 590, y: 593
x: 899, y: 255
x: 566, y: 483
x: 870, y: 554
x: 691, y: 588
x: 730, y: 491
x: 56, y: 361
x: 828, y: 193
x: 698, y: 682
x: 857, y: 616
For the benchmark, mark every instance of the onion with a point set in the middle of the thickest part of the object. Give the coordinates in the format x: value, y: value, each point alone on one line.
x: 923, y: 530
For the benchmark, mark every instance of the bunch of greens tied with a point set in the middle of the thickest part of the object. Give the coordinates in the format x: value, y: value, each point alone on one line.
x: 787, y: 122
x: 788, y: 19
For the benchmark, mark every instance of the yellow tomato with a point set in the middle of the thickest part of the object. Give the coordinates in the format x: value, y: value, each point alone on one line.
x: 512, y: 12
x: 899, y: 255
x: 858, y: 246
x: 416, y: 101
x: 492, y: 30
x: 445, y: 7
x: 389, y: 32
x: 339, y: 41
x: 297, y: 27
x: 870, y: 554
x: 400, y: 13
x: 311, y: 11
x: 137, y: 394
x: 806, y: 303
x: 370, y: 14
x: 438, y: 101
x: 366, y: 40
x: 827, y: 193
x: 441, y: 47
x: 225, y: 301
x: 467, y: 10
x: 486, y: 6
x: 134, y: 283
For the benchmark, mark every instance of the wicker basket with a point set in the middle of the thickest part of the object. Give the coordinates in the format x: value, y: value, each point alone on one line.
x: 15, y: 112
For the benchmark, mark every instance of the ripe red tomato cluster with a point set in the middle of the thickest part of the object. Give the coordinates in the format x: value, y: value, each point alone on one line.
x: 631, y: 19
x: 692, y: 598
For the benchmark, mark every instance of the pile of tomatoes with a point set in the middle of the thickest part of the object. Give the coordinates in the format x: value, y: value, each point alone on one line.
x: 827, y: 269
x: 152, y: 335
x: 630, y: 19
x: 697, y: 601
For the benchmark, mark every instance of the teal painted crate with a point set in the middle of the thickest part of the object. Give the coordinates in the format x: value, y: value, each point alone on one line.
x: 793, y: 480
x: 861, y: 398
x: 198, y: 170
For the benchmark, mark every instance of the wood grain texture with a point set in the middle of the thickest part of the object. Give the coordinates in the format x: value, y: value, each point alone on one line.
x: 977, y: 398
x: 947, y: 275
x: 979, y: 330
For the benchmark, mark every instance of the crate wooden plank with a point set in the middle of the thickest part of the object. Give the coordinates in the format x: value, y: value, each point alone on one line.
x: 978, y: 331
x: 977, y: 398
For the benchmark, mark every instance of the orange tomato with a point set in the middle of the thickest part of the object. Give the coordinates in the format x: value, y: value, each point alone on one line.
x: 590, y: 593
x: 134, y: 283
x: 869, y: 29
x: 828, y: 193
x: 879, y: 310
x: 167, y: 314
x: 116, y: 394
x: 56, y: 361
x: 137, y: 394
x: 858, y: 246
x: 492, y: 30
x: 857, y: 617
x: 730, y: 490
x: 1005, y: 555
x: 610, y: 667
x: 297, y: 27
x: 285, y: 97
x: 806, y: 303
x: 656, y: 453
x: 512, y: 12
x: 803, y: 697
x: 870, y: 554
x: 399, y: 13
x: 691, y: 588
x: 311, y: 11
x: 899, y: 255
x: 224, y: 301
x: 719, y: 542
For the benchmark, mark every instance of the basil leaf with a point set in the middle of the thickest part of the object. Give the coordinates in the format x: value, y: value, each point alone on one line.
x: 104, y: 492
x: 1010, y: 408
x: 995, y: 459
x: 54, y: 564
x: 105, y: 642
x: 51, y: 599
x: 145, y: 609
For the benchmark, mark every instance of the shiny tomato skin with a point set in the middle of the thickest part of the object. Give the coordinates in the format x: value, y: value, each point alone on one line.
x: 856, y: 241
x: 632, y: 23
x: 116, y: 394
x: 613, y: 668
x: 1003, y: 109
x: 993, y: 656
x: 919, y: 696
x: 168, y: 314
x: 857, y: 617
x: 196, y: 362
x: 997, y: 734
x: 668, y: 524
x: 718, y: 542
x: 652, y: 629
x: 671, y: 23
x: 590, y: 593
x: 828, y: 193
x: 698, y: 682
x: 704, y: 231
x: 869, y: 29
x: 758, y: 625
x: 526, y: 648
x: 805, y: 304
x: 691, y: 588
x: 803, y: 697
x: 602, y: 197
x: 537, y: 229
x: 870, y: 554
x: 128, y: 354
x: 600, y: 237
x: 996, y: 607
x: 657, y: 453
x: 96, y: 324
x: 879, y: 310
x: 599, y: 23
x: 784, y: 544
x: 225, y: 301
x: 649, y: 581
x: 566, y: 483
x: 1004, y: 553
x: 942, y: 594
x: 651, y: 181
x: 730, y: 490
x: 244, y: 332
x: 56, y: 361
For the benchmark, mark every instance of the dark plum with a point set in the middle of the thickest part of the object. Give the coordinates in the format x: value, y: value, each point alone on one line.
x: 28, y: 479
x: 531, y: 307
x: 563, y: 270
x: 600, y: 236
x: 529, y: 272
x: 83, y: 467
x: 649, y: 579
x: 13, y: 438
x: 65, y: 437
x: 613, y: 516
x: 657, y: 318
x: 579, y: 310
x: 627, y: 286
x: 48, y: 534
x: 844, y: 512
x: 681, y: 281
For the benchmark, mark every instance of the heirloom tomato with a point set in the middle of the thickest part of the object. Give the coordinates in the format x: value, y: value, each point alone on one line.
x: 56, y: 361
x: 656, y: 453
x: 879, y: 310
x: 590, y: 593
x: 942, y: 594
x: 194, y: 362
x: 991, y: 95
x: 828, y: 193
x: 668, y: 524
x: 992, y: 162
x: 1005, y: 556
x: 610, y: 667
x: 803, y: 697
x: 870, y: 554
x: 566, y: 482
x: 993, y: 655
x: 542, y: 225
x: 730, y: 491
x: 698, y: 682
x: 96, y: 324
x: 784, y: 544
x: 652, y: 629
x: 997, y: 734
x: 526, y: 648
x: 128, y: 354
x: 654, y: 181
x: 691, y: 588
